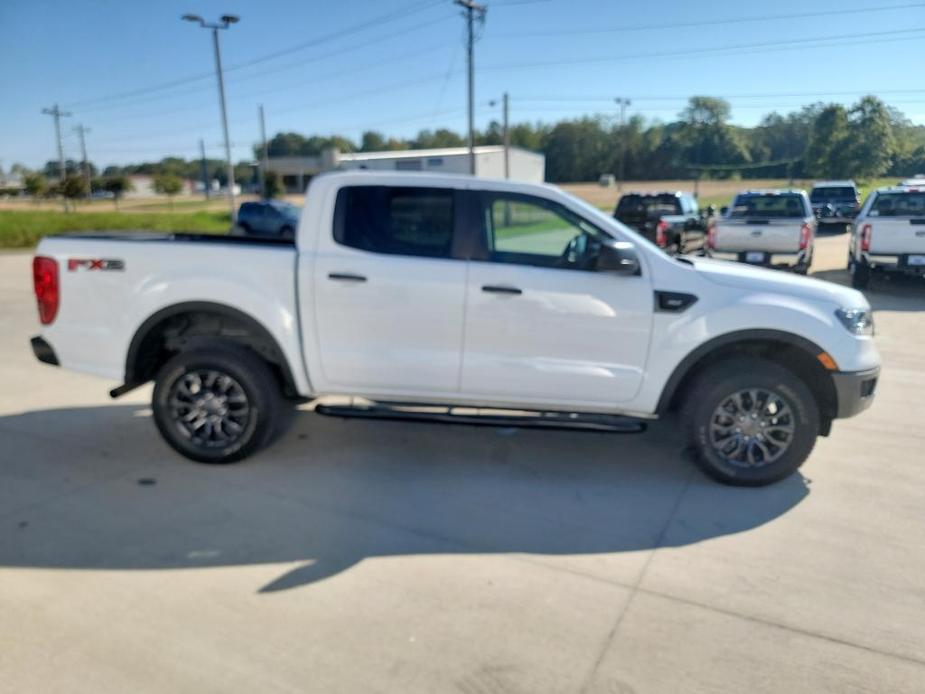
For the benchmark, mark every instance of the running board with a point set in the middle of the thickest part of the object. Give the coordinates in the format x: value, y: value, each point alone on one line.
x: 481, y: 416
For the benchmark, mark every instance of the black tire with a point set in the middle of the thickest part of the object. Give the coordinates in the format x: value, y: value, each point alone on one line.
x: 716, y: 387
x: 860, y: 275
x: 252, y: 379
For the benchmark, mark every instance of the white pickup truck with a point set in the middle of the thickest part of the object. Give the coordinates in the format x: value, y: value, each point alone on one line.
x: 419, y: 288
x: 888, y: 235
x: 771, y: 228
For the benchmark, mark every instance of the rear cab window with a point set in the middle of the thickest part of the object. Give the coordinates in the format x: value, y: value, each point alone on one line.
x: 396, y: 220
x: 826, y: 193
x: 899, y: 204
x: 768, y: 206
x: 648, y: 205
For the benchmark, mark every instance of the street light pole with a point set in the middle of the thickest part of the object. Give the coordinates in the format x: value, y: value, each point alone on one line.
x: 622, y: 102
x: 505, y: 132
x: 226, y: 21
x: 471, y: 8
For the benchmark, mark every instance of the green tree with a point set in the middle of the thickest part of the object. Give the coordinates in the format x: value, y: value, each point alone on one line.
x: 871, y: 144
x: 169, y: 185
x: 36, y: 185
x: 73, y: 186
x: 709, y: 139
x: 437, y: 139
x: 273, y: 185
x: 118, y: 185
x: 827, y: 153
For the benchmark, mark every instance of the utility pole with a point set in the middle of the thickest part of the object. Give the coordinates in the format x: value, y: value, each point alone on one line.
x: 471, y: 9
x: 204, y: 169
x: 57, y: 113
x: 622, y: 102
x: 226, y: 21
x: 505, y: 133
x: 82, y: 130
x: 265, y: 160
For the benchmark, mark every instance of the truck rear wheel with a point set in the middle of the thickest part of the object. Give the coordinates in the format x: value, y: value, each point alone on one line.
x: 860, y: 275
x: 216, y: 405
x: 750, y: 422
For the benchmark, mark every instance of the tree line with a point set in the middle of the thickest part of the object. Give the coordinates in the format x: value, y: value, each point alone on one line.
x: 862, y: 141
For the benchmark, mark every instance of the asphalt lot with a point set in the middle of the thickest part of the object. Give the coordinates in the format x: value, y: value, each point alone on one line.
x: 368, y: 556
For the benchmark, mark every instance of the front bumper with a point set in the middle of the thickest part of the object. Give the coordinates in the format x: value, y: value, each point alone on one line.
x: 854, y: 390
x: 44, y: 351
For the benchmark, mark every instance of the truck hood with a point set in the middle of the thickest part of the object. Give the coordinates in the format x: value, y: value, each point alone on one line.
x: 755, y: 279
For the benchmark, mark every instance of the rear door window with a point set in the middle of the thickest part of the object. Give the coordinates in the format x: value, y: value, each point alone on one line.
x: 396, y: 220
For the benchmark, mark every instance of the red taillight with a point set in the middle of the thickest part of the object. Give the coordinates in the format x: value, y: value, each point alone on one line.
x: 866, y: 232
x: 45, y: 280
x: 805, y: 233
x: 661, y: 234
x: 711, y: 236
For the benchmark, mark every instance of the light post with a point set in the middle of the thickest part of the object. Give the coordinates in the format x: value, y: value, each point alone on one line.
x: 506, y: 133
x: 622, y: 102
x: 226, y: 21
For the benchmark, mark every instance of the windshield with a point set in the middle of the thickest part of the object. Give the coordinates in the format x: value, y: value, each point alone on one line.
x: 771, y: 205
x: 899, y: 205
x: 833, y: 193
x: 648, y: 205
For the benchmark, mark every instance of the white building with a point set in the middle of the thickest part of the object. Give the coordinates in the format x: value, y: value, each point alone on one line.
x: 489, y: 163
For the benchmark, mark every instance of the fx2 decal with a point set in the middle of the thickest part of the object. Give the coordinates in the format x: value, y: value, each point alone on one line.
x: 75, y: 264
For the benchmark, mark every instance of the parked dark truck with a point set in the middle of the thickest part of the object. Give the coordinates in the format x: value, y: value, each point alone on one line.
x: 670, y: 220
x: 835, y: 203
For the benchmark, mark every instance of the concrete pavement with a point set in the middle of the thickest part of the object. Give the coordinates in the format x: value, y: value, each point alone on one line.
x: 360, y: 556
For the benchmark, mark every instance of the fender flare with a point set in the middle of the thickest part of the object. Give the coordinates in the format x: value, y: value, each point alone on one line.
x: 684, y: 367
x: 252, y: 324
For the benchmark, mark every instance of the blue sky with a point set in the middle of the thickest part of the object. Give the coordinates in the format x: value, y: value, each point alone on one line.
x: 398, y: 65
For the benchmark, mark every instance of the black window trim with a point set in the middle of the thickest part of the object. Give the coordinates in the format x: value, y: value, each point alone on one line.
x: 458, y: 250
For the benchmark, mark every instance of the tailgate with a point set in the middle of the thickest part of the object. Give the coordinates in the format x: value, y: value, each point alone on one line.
x: 897, y: 235
x: 770, y: 235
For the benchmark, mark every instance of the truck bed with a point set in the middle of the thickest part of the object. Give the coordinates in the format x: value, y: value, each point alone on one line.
x: 180, y: 236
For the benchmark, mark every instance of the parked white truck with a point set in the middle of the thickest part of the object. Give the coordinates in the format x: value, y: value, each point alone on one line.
x: 771, y: 228
x: 888, y: 236
x: 419, y: 288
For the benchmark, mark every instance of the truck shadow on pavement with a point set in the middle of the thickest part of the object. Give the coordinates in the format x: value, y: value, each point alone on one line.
x: 95, y: 488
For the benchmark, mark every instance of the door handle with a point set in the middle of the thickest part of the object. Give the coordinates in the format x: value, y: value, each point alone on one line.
x: 501, y: 289
x: 346, y: 277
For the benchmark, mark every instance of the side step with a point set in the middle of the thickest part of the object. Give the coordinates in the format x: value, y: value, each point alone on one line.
x: 481, y: 416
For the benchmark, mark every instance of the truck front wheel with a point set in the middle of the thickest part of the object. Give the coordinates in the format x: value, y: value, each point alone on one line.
x: 750, y: 422
x: 216, y: 405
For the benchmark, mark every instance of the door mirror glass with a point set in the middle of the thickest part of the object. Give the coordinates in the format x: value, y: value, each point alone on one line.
x: 618, y: 257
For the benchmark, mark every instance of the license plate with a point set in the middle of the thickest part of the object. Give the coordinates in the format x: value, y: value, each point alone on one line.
x: 916, y: 260
x: 754, y: 257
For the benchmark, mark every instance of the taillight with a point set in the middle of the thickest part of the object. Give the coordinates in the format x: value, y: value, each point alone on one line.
x: 45, y: 281
x: 711, y: 236
x: 661, y: 234
x: 805, y: 233
x: 866, y: 232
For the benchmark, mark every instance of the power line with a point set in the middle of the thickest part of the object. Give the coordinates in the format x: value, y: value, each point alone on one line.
x: 375, y: 21
x: 803, y: 42
x: 642, y: 97
x: 711, y: 22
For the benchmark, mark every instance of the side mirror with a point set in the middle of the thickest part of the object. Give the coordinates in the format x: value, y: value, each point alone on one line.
x: 723, y: 210
x: 618, y: 257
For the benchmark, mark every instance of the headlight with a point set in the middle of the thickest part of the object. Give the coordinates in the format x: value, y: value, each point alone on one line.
x: 858, y: 321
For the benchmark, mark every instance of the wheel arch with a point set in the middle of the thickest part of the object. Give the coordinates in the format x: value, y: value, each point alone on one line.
x: 794, y: 352
x: 151, y: 344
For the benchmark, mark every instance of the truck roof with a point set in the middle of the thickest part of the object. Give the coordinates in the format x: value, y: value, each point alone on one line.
x: 771, y: 191
x: 920, y: 188
x: 834, y: 184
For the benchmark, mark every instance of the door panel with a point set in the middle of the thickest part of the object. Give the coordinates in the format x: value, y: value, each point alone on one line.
x: 388, y: 305
x: 537, y: 326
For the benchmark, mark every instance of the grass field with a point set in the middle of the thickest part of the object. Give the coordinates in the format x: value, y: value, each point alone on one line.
x: 23, y: 229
